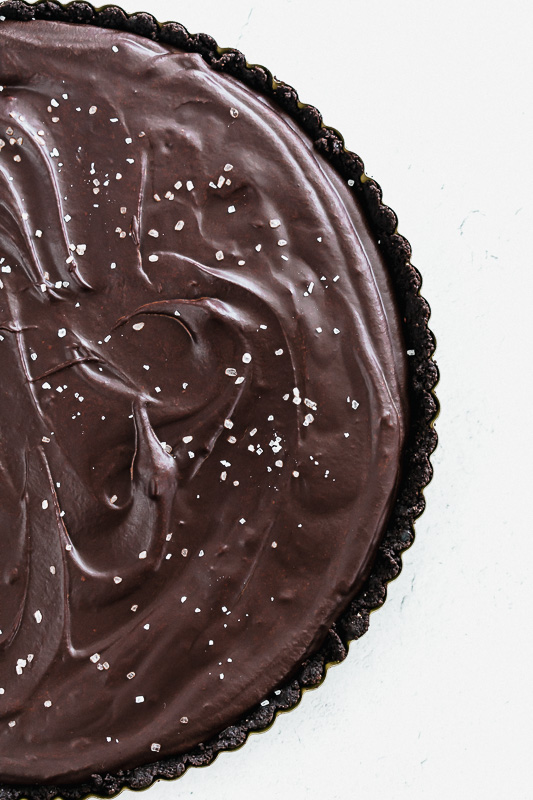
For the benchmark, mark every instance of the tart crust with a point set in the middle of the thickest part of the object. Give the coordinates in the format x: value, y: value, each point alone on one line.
x: 422, y: 377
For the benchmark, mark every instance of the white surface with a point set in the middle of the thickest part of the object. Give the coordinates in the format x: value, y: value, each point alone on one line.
x: 435, y: 701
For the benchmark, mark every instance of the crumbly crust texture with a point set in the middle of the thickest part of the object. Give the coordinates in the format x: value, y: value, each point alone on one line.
x: 423, y: 376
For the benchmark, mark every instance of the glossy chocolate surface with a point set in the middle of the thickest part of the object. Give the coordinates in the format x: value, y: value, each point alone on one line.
x: 202, y: 400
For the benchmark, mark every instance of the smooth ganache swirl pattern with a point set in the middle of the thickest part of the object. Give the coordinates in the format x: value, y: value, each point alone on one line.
x: 202, y: 400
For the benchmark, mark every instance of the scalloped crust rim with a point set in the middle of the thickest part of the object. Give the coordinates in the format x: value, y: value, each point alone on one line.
x: 423, y: 377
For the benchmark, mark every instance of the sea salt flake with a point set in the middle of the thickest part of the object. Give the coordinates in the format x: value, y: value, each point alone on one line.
x: 143, y: 554
x: 155, y: 746
x: 47, y: 703
x: 282, y: 242
x: 139, y: 698
x: 38, y: 616
x: 62, y: 333
x: 231, y: 372
x: 93, y: 110
x: 138, y: 326
x: 179, y: 225
x: 190, y: 186
x: 153, y: 232
x: 219, y: 255
x: 95, y: 658
x: 44, y: 504
x: 153, y: 258
x: 275, y: 444
x: 117, y: 579
x: 184, y: 720
x: 130, y: 676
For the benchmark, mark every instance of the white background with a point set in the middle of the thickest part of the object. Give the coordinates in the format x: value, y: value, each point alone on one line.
x: 435, y: 701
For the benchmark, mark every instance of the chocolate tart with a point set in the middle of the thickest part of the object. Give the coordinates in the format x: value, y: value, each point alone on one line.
x: 217, y: 399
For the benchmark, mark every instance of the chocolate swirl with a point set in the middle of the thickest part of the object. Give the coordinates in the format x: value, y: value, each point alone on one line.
x: 202, y: 400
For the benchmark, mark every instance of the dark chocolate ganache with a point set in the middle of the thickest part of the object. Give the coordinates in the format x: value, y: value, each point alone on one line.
x: 202, y: 400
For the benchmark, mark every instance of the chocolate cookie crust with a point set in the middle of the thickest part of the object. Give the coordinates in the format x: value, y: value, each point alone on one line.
x: 422, y: 376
